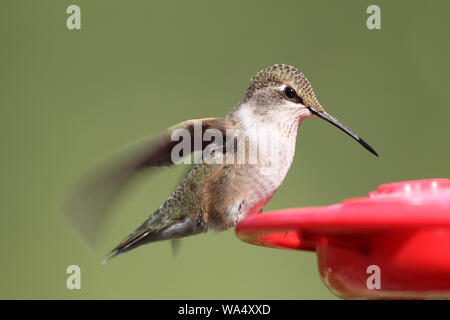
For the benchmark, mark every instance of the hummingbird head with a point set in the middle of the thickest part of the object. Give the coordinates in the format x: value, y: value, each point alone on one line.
x: 283, y: 91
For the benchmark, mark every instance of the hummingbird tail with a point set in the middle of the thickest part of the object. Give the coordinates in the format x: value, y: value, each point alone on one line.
x: 132, y: 241
x: 146, y: 234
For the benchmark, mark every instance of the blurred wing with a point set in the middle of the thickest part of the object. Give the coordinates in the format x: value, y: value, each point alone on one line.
x: 86, y: 209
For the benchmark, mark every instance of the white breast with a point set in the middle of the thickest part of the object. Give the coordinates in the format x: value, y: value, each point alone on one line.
x: 275, y: 140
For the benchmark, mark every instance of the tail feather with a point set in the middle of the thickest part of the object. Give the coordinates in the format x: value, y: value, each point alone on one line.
x: 132, y: 241
x: 144, y: 234
x: 147, y: 232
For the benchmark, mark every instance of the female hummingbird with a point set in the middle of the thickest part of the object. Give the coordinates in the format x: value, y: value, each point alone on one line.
x: 215, y: 195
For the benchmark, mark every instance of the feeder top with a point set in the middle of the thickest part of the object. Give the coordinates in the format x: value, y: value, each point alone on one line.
x: 392, y: 207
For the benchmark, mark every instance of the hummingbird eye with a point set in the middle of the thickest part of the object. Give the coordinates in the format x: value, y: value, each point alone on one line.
x: 290, y: 93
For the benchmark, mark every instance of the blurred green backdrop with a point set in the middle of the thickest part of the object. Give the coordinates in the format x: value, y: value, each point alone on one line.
x: 70, y: 97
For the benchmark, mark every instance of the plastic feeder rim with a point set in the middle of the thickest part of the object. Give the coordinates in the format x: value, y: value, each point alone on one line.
x: 394, y: 243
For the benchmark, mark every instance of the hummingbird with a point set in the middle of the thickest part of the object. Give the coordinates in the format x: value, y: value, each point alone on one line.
x: 215, y: 195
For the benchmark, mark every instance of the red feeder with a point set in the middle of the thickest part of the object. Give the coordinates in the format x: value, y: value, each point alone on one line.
x: 394, y: 243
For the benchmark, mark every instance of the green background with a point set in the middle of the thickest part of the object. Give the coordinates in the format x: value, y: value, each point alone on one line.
x: 69, y: 98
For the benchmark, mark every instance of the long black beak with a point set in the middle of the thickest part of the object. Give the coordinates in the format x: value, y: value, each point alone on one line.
x: 333, y: 121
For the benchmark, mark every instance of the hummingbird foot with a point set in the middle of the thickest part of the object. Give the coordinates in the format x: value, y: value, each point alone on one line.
x: 201, y: 222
